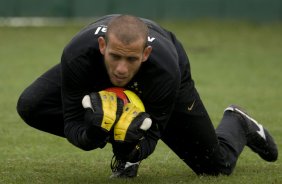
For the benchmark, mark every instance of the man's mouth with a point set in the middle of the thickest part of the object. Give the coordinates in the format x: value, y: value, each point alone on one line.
x: 119, y: 78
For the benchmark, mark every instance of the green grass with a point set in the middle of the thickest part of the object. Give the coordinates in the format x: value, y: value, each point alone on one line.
x: 232, y: 62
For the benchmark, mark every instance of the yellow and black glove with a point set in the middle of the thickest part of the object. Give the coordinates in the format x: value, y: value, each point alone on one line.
x: 129, y: 131
x: 103, y: 109
x: 132, y: 124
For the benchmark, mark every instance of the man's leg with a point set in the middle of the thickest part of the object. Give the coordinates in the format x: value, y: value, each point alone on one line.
x: 191, y: 135
x: 257, y: 137
x: 40, y: 104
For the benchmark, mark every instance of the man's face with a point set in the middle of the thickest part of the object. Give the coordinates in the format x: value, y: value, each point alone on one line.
x: 123, y: 61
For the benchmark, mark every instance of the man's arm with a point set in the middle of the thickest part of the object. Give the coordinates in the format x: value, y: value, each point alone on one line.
x: 77, y: 80
x: 72, y: 94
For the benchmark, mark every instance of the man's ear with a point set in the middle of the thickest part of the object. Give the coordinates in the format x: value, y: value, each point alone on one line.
x: 102, y: 44
x: 146, y: 53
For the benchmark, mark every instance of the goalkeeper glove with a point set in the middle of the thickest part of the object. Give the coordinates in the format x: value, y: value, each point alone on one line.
x: 132, y: 124
x: 103, y: 109
x: 129, y: 131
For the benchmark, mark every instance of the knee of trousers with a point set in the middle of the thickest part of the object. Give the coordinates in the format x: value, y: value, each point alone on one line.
x: 26, y: 108
x: 220, y: 162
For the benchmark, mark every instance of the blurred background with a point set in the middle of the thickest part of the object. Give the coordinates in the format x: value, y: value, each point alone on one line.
x: 252, y: 10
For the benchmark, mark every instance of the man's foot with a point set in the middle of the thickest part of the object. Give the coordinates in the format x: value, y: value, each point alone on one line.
x: 258, y: 138
x: 122, y: 169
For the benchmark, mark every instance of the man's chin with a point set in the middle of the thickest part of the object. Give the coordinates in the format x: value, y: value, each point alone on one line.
x: 119, y: 84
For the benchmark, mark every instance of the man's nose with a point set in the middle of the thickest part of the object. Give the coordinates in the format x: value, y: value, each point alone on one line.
x: 122, y: 67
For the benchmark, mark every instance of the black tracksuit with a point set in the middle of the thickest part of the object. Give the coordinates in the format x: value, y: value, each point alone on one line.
x: 52, y: 103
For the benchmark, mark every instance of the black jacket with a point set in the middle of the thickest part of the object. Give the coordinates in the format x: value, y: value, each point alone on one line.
x: 157, y: 82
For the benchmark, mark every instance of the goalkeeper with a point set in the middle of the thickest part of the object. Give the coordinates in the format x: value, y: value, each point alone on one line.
x: 69, y: 100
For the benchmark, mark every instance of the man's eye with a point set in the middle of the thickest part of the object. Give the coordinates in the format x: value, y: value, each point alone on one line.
x: 115, y: 57
x: 132, y: 59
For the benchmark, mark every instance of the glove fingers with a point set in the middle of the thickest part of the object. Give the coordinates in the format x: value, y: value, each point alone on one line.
x: 106, y: 103
x: 102, y: 110
x: 134, y: 131
x: 96, y: 102
x: 109, y: 105
x: 129, y: 113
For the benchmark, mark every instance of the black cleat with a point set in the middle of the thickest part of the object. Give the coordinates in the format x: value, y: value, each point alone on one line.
x: 122, y: 169
x: 258, y: 138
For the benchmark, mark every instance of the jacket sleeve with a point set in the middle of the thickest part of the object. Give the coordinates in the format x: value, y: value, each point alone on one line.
x: 73, y: 90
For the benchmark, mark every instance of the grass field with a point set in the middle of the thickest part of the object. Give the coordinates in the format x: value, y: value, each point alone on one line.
x: 232, y: 62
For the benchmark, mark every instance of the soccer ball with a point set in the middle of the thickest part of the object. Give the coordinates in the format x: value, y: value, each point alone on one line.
x: 127, y: 96
x: 130, y: 97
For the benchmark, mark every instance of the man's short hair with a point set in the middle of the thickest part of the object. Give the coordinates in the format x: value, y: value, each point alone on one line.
x: 127, y: 29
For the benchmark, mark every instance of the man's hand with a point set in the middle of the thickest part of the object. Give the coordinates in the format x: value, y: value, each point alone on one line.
x: 129, y: 131
x: 132, y: 124
x: 103, y: 109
